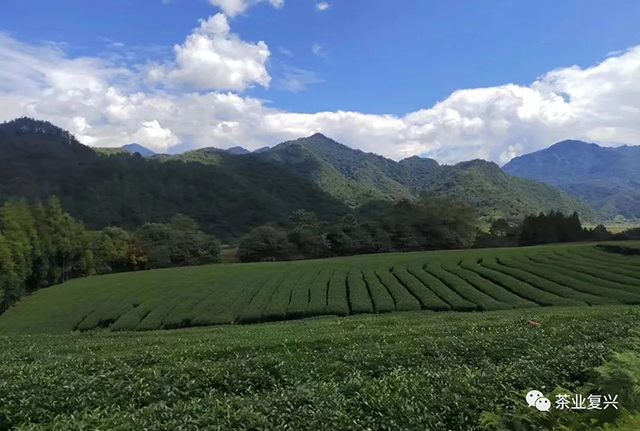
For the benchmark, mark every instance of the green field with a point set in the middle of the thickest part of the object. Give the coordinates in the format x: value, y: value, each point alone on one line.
x: 402, y: 371
x: 465, y: 280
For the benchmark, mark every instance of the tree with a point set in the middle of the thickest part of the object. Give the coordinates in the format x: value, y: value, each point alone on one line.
x: 18, y: 227
x: 263, y: 244
x: 9, y: 283
x: 551, y: 228
x: 111, y: 248
x: 500, y: 228
x: 189, y: 245
x: 154, y: 239
x: 430, y: 223
x: 177, y: 243
x: 70, y: 253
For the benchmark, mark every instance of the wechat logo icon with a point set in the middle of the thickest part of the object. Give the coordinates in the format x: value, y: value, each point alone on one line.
x: 536, y: 399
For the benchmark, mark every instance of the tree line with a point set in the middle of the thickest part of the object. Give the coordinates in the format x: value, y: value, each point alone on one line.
x: 428, y: 223
x: 42, y: 245
x: 431, y: 223
x: 547, y: 228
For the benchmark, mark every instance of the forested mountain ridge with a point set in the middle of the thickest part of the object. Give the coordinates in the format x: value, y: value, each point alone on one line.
x: 606, y: 177
x: 355, y: 177
x: 229, y: 195
x: 228, y: 198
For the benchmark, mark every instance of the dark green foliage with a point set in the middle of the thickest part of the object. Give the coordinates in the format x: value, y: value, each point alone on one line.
x: 9, y: 281
x: 502, y: 233
x: 40, y: 246
x: 227, y: 195
x: 177, y: 243
x: 111, y: 248
x: 551, y: 228
x: 629, y: 234
x: 356, y: 178
x: 351, y: 237
x: 263, y: 244
x: 430, y: 223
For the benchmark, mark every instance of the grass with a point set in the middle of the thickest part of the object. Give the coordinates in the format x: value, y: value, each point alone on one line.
x: 464, y: 280
x: 410, y: 371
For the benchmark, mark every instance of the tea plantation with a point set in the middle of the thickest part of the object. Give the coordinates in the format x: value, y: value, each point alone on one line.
x: 400, y: 371
x: 465, y: 280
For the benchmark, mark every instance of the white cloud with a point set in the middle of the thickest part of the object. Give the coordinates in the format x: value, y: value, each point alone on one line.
x: 235, y: 7
x: 295, y: 79
x: 318, y: 50
x: 106, y: 105
x: 285, y: 51
x: 214, y: 58
x: 152, y: 135
x: 322, y: 6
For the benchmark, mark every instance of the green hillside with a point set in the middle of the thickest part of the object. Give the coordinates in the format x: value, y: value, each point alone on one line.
x: 355, y: 177
x: 496, y: 194
x: 231, y: 194
x: 605, y: 177
x: 228, y: 198
x: 466, y: 280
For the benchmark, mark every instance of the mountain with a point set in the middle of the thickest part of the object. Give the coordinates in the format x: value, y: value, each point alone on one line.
x: 355, y: 177
x: 608, y: 178
x: 229, y: 195
x: 262, y: 150
x: 136, y: 148
x: 227, y: 198
x: 237, y: 150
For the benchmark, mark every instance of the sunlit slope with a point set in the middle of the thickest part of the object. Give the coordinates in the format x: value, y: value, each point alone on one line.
x: 465, y: 280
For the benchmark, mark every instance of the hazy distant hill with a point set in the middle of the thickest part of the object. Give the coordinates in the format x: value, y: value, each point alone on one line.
x: 237, y: 150
x: 355, y: 177
x: 137, y: 148
x: 607, y: 178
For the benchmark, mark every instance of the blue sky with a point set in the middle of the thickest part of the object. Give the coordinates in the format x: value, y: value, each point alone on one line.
x: 381, y: 61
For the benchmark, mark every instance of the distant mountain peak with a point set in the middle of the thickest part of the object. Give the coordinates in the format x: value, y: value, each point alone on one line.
x: 573, y: 144
x: 606, y: 177
x: 237, y: 150
x: 262, y: 150
x: 319, y: 135
x: 137, y: 148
